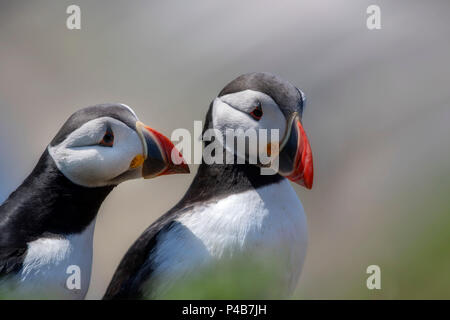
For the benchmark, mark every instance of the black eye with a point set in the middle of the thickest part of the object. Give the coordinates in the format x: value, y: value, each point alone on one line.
x: 108, y: 139
x: 257, y: 113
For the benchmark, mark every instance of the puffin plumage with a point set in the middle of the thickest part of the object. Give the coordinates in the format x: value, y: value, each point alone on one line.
x: 47, y: 223
x: 230, y: 209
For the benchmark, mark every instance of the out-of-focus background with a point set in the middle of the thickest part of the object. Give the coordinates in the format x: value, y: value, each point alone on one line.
x: 378, y: 117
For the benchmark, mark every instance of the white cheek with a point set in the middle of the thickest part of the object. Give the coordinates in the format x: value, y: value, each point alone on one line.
x: 273, y: 120
x: 87, y: 166
x: 226, y: 117
x: 94, y: 166
x: 86, y: 134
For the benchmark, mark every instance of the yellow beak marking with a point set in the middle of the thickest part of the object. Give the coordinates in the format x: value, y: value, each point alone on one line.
x: 137, y: 161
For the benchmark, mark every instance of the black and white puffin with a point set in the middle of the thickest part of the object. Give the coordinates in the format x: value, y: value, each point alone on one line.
x: 47, y: 224
x: 231, y: 209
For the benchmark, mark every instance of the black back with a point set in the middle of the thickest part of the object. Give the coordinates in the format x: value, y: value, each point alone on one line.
x: 46, y: 203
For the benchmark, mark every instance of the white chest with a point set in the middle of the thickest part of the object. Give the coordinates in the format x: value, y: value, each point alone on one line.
x: 56, y: 268
x: 269, y: 222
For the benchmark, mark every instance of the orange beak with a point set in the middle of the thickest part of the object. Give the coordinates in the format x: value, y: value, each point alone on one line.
x: 296, y: 160
x: 162, y: 157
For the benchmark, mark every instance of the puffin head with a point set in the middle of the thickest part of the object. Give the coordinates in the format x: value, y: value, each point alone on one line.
x: 106, y: 144
x: 264, y: 101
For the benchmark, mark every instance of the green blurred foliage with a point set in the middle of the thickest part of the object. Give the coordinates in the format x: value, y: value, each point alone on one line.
x: 240, y: 278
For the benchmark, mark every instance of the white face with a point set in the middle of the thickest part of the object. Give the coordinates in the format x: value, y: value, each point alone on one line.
x: 99, y: 153
x: 246, y: 110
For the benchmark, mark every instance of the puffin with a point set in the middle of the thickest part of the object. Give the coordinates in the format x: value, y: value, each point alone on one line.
x: 232, y: 211
x: 47, y: 224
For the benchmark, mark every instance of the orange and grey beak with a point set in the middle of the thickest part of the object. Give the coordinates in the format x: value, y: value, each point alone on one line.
x: 296, y: 161
x: 161, y: 156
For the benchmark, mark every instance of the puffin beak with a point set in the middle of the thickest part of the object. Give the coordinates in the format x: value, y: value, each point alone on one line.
x: 296, y: 162
x: 161, y: 156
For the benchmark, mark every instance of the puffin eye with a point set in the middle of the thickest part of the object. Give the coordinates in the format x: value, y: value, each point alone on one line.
x: 108, y: 139
x: 257, y: 113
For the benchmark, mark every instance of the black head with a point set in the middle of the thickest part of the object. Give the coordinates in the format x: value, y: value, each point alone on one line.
x: 288, y: 97
x: 106, y: 144
x: 263, y: 101
x: 119, y: 112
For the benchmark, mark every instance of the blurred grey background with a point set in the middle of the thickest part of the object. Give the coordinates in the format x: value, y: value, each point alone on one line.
x: 377, y: 116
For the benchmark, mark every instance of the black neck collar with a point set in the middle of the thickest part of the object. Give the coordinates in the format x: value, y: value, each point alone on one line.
x: 219, y: 180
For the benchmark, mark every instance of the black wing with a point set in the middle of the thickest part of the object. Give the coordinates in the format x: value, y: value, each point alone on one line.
x: 11, y: 260
x: 13, y: 247
x: 134, y: 269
